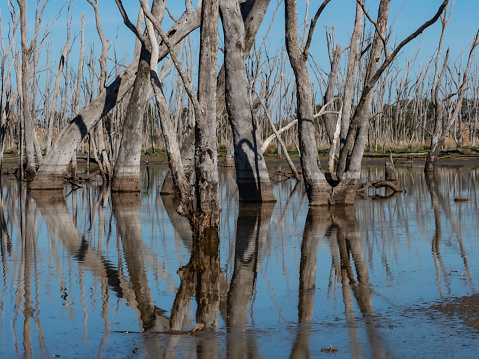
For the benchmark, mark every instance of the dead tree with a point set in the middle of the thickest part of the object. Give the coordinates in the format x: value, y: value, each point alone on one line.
x: 50, y: 118
x: 343, y: 190
x: 27, y: 49
x: 126, y: 174
x: 251, y: 172
x: 51, y: 173
x: 7, y: 99
x: 443, y: 125
x: 202, y: 209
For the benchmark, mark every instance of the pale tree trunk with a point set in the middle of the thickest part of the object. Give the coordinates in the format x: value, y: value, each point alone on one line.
x: 314, y: 180
x: 251, y: 173
x: 21, y: 120
x: 349, y: 166
x: 104, y: 163
x: 329, y: 119
x: 318, y: 189
x: 203, y: 209
x: 375, y: 54
x: 76, y: 102
x: 252, y: 12
x: 179, y: 178
x: 126, y: 174
x: 7, y: 99
x: 55, y: 165
x: 353, y: 62
x: 30, y: 167
x: 206, y: 155
x: 51, y: 115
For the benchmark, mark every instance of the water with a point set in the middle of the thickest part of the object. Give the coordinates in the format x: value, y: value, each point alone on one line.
x: 88, y: 274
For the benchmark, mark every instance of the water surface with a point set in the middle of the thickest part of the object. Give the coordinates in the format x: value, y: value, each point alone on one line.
x: 85, y: 273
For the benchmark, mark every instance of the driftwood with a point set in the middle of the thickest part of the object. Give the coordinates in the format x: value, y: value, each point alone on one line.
x: 287, y: 174
x: 379, y: 184
x: 455, y: 149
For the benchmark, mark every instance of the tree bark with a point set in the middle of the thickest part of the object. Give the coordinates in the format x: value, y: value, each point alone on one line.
x: 251, y: 173
x: 30, y: 167
x: 314, y: 180
x: 126, y: 174
x: 206, y: 218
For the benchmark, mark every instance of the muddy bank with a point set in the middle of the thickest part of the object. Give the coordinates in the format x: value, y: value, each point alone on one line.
x: 466, y: 309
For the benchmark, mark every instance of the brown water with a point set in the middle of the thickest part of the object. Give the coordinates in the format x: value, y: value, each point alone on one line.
x: 87, y: 274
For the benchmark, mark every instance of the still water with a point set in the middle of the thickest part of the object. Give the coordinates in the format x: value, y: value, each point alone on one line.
x: 88, y: 274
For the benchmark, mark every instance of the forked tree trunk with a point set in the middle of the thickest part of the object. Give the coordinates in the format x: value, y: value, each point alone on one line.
x: 252, y: 12
x: 251, y: 173
x: 317, y: 188
x: 319, y: 191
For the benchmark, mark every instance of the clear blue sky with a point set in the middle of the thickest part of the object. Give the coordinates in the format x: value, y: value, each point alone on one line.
x: 408, y: 16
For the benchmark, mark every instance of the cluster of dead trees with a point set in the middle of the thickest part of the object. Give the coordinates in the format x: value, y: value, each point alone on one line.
x: 248, y: 102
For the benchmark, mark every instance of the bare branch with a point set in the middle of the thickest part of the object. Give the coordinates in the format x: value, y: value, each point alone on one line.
x: 360, y: 3
x: 313, y: 25
x: 127, y: 22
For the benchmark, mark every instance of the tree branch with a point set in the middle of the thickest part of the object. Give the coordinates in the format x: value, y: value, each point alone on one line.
x: 313, y: 25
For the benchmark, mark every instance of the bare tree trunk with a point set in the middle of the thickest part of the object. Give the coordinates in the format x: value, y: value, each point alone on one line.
x: 253, y: 12
x: 76, y: 102
x: 30, y: 168
x: 55, y: 165
x: 126, y: 174
x: 7, y: 99
x: 251, y: 172
x: 314, y: 179
x: 51, y: 116
x: 206, y: 156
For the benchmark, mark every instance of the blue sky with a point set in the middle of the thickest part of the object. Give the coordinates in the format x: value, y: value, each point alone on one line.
x: 408, y: 16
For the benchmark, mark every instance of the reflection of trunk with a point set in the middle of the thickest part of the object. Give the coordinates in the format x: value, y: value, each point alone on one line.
x: 341, y: 223
x: 350, y: 247
x: 27, y: 258
x: 438, y: 201
x: 200, y: 277
x: 315, y: 227
x: 251, y: 172
x: 431, y: 182
x: 54, y: 210
x: 180, y: 223
x: 127, y: 212
x: 251, y: 231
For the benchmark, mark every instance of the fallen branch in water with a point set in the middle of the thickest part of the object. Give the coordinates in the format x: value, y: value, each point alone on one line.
x: 379, y: 184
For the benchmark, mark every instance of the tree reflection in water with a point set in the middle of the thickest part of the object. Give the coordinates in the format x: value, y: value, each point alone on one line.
x: 340, y: 225
x: 89, y: 266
